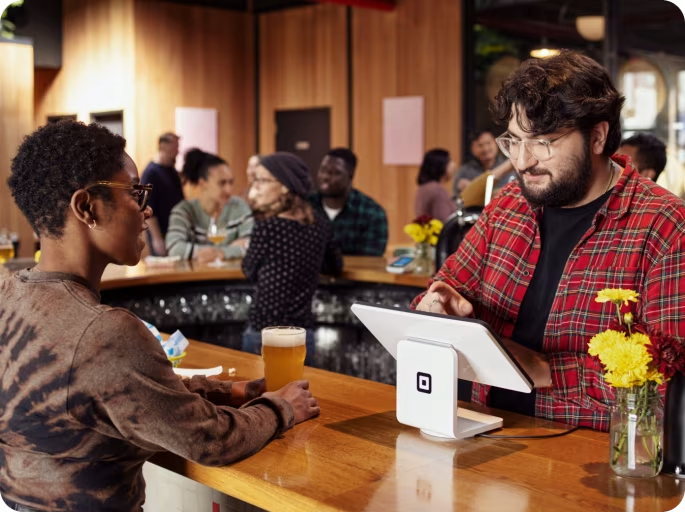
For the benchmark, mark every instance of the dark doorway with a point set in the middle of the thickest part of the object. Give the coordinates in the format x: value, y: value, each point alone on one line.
x: 307, y: 133
x: 113, y: 121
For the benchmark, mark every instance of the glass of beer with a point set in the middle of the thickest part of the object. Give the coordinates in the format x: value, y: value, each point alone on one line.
x: 6, y: 251
x: 283, y: 350
x: 215, y: 234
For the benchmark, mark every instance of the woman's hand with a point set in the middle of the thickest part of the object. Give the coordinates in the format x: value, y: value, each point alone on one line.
x: 443, y: 299
x: 208, y: 254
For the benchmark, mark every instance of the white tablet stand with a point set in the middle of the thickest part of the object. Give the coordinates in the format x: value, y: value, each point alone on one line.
x: 427, y: 373
x: 432, y: 352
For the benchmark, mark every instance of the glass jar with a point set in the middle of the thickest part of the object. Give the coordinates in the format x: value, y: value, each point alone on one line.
x: 423, y: 264
x: 636, y: 430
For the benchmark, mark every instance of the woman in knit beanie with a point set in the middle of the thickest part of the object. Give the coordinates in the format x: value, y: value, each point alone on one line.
x: 290, y: 247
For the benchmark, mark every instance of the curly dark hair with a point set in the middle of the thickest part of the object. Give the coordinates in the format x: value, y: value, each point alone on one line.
x: 569, y: 90
x: 434, y: 166
x: 347, y: 156
x: 54, y: 162
x: 651, y: 152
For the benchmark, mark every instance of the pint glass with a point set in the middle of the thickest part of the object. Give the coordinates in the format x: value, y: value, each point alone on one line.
x: 283, y: 350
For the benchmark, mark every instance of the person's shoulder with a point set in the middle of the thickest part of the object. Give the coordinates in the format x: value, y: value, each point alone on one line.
x: 121, y: 326
x: 238, y: 203
x: 652, y: 199
x: 509, y: 201
x: 360, y: 198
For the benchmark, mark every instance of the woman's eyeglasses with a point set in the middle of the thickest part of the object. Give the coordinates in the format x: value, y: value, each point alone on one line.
x: 262, y: 181
x: 140, y: 192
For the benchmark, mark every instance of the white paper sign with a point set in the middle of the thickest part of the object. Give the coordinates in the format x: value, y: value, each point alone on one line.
x: 403, y: 130
x: 198, y: 128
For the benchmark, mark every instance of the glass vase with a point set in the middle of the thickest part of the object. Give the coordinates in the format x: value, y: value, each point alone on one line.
x: 423, y: 263
x: 636, y: 430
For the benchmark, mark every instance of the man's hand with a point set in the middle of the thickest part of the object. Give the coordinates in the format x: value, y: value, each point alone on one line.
x: 208, y: 254
x: 443, y: 299
x: 534, y: 363
x: 300, y: 398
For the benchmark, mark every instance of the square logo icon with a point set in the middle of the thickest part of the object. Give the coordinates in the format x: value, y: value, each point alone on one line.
x: 424, y: 383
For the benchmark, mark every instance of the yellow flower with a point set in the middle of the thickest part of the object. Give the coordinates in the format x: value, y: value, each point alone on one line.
x: 433, y: 240
x: 435, y: 227
x: 604, y: 341
x: 617, y: 295
x: 625, y: 359
x: 628, y: 318
x: 416, y: 232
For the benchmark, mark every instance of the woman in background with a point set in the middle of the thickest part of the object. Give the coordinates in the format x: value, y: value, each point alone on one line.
x: 291, y: 245
x: 431, y: 198
x: 250, y: 173
x: 215, y: 225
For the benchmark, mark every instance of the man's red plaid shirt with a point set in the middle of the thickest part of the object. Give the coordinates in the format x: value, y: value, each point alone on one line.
x: 635, y: 241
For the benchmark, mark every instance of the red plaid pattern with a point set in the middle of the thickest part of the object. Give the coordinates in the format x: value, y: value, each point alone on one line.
x: 635, y: 241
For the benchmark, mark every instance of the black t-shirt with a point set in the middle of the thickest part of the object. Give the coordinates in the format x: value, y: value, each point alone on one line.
x: 560, y: 230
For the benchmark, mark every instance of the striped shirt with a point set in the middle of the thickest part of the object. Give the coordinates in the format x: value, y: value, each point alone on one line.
x: 188, y: 225
x: 635, y: 241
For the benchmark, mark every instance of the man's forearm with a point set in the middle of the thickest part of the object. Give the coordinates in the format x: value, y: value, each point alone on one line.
x: 534, y: 363
x: 155, y: 231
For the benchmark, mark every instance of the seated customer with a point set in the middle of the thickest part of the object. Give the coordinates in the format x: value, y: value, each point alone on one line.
x: 291, y: 246
x: 647, y: 152
x: 579, y: 220
x: 360, y: 225
x: 486, y: 157
x: 87, y: 393
x: 431, y: 198
x: 190, y: 221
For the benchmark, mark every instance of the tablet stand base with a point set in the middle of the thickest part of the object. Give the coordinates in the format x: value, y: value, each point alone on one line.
x: 427, y: 374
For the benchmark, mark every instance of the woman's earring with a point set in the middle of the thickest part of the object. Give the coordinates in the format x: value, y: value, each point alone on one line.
x: 93, y: 226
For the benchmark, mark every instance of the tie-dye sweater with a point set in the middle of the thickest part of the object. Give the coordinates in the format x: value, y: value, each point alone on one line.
x: 87, y: 396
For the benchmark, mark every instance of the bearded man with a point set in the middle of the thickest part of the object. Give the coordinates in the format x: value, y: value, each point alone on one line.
x: 579, y: 219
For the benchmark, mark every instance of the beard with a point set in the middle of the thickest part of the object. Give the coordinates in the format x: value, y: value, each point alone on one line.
x: 566, y: 187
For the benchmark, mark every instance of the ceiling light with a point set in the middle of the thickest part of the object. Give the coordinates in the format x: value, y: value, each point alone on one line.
x: 590, y: 27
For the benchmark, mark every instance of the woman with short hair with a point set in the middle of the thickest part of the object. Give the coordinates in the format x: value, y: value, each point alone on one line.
x: 87, y: 393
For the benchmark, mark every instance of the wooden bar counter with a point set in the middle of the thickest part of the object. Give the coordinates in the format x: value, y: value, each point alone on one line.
x: 356, y: 268
x: 356, y: 457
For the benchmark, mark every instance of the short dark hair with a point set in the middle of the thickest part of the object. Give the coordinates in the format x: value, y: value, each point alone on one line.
x: 168, y: 137
x: 569, y: 90
x: 651, y: 152
x: 347, y: 156
x: 197, y: 164
x: 434, y: 166
x: 476, y: 134
x: 57, y: 160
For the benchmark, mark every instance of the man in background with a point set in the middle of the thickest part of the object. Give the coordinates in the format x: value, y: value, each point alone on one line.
x: 167, y: 191
x: 486, y: 157
x: 360, y: 225
x: 647, y: 152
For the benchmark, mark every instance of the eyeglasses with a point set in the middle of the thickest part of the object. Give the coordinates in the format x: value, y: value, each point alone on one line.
x: 539, y: 148
x: 141, y: 192
x: 262, y: 181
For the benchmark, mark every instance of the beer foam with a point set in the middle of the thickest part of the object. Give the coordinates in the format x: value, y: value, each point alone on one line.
x: 283, y: 337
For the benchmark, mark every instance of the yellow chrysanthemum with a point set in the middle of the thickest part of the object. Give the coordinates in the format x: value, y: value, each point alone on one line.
x: 626, y: 360
x: 604, y: 341
x: 435, y: 226
x: 433, y: 240
x: 617, y: 296
x: 416, y: 232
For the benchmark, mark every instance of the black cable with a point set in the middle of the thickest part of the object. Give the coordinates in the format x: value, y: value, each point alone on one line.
x: 545, y: 436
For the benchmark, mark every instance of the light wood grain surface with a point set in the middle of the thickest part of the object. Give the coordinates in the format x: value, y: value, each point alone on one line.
x: 16, y: 119
x: 357, y: 268
x: 356, y: 457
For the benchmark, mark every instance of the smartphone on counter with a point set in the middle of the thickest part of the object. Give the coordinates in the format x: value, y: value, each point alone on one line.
x: 400, y: 265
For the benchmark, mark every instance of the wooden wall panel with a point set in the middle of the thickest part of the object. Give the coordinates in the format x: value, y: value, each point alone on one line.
x: 303, y: 64
x: 190, y: 56
x: 415, y: 50
x: 97, y: 72
x: 16, y: 120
